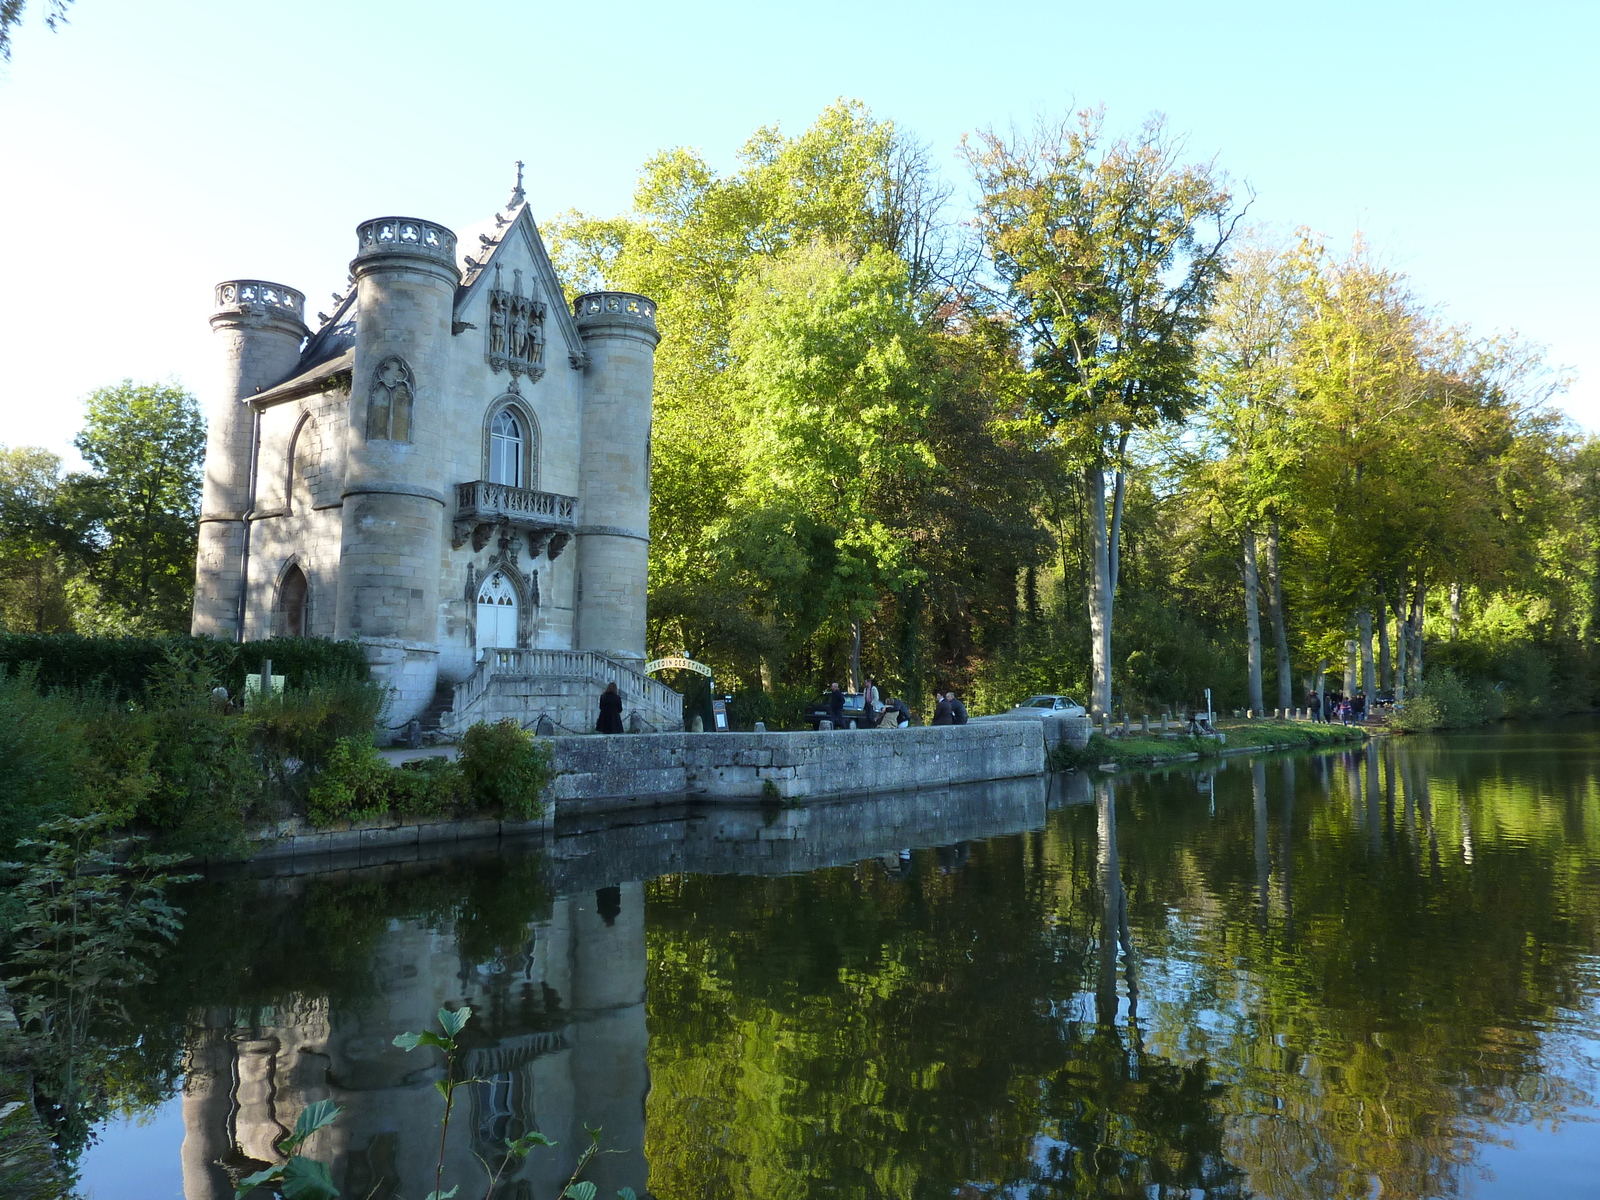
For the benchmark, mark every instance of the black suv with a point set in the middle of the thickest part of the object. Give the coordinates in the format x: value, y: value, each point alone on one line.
x: 855, y: 705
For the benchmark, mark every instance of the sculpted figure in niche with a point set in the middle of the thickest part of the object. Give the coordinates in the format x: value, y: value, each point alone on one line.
x: 519, y: 332
x: 389, y: 406
x: 497, y: 325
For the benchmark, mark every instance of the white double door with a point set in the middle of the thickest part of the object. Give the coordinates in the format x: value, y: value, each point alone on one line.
x: 497, y: 614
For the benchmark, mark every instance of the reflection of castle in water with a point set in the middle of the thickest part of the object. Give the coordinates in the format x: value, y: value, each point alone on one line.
x: 558, y: 1037
x: 557, y: 1041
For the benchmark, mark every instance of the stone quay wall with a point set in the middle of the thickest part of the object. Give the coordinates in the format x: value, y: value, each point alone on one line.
x: 792, y: 766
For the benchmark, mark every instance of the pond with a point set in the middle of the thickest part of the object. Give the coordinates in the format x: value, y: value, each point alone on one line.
x: 1366, y: 973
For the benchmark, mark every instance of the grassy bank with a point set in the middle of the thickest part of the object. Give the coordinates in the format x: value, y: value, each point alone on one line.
x: 1151, y: 749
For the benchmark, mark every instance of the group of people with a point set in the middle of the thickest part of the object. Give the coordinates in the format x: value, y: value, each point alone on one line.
x: 1329, y: 707
x: 878, y: 711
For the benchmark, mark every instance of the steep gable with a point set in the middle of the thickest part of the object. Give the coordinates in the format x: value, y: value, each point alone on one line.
x: 510, y: 239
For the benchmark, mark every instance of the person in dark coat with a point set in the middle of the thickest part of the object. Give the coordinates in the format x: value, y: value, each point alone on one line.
x: 958, y: 710
x: 943, y: 714
x: 896, y: 714
x: 836, y: 706
x: 610, y: 710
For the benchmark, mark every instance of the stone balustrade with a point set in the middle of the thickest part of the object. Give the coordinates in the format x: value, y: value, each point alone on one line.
x: 626, y: 305
x: 273, y: 297
x: 387, y: 235
x: 482, y: 506
x: 589, y: 668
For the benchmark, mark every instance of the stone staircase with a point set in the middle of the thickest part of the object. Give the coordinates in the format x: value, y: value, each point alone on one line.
x: 558, y: 691
x: 432, y: 717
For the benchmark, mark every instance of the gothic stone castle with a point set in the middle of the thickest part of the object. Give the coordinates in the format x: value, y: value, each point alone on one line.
x: 453, y: 471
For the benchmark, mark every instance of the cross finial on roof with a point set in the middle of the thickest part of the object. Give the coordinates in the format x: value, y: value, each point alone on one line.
x: 517, y: 195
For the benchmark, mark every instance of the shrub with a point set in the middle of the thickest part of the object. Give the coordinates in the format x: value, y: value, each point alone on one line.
x: 294, y: 733
x: 506, y: 769
x: 353, y: 784
x: 429, y: 787
x: 204, y: 779
x: 124, y: 666
x: 1446, y: 702
x: 42, y: 749
x: 356, y: 784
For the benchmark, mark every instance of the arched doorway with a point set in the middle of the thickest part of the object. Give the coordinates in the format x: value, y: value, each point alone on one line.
x: 497, y: 614
x: 291, y: 615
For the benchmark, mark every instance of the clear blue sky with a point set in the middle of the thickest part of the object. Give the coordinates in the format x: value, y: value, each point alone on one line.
x: 151, y: 149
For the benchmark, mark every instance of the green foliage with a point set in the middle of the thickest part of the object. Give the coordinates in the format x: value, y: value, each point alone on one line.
x: 35, y: 568
x: 298, y: 1178
x: 357, y: 784
x: 1447, y: 702
x: 294, y: 732
x: 124, y: 666
x: 784, y: 707
x: 506, y: 769
x: 140, y: 504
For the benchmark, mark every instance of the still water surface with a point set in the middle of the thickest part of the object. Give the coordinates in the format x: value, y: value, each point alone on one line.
x: 1370, y: 973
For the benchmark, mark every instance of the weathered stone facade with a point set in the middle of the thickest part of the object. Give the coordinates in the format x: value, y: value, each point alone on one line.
x: 455, y: 461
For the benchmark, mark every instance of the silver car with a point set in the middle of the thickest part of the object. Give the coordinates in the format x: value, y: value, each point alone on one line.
x: 1043, y: 706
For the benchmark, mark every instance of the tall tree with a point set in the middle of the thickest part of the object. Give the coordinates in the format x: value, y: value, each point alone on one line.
x: 34, y: 542
x: 144, y: 444
x: 1108, y: 254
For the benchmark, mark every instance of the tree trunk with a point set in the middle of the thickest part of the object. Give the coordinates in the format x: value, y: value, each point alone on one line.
x: 1455, y: 611
x: 855, y: 656
x: 1349, y: 667
x: 1280, y: 625
x: 1385, y: 664
x: 1094, y: 479
x: 1402, y: 644
x: 1322, y: 687
x: 1364, y: 637
x: 1418, y: 603
x: 1252, y: 618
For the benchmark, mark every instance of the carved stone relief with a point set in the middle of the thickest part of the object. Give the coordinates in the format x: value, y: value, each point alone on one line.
x: 516, y: 336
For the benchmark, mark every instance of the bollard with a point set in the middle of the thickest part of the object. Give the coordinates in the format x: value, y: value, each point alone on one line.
x: 1127, y: 726
x: 1144, y: 723
x: 761, y: 727
x: 821, y: 725
x: 1166, y: 722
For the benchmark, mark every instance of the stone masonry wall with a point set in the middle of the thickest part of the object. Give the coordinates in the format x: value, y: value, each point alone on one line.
x: 797, y: 765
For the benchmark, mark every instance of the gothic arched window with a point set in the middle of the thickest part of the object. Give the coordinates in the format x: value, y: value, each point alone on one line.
x: 506, y: 449
x: 389, y: 403
x: 290, y: 617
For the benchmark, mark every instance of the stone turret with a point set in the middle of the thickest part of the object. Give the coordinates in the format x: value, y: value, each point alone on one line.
x: 619, y: 338
x: 395, y: 489
x: 261, y: 326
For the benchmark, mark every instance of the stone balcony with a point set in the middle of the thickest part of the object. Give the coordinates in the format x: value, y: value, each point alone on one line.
x: 483, y: 507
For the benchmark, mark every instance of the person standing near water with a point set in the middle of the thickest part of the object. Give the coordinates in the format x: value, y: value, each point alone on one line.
x: 942, y: 712
x: 835, y: 705
x: 958, y: 710
x: 610, y: 711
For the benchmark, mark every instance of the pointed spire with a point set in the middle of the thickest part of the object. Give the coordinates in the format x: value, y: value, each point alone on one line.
x: 517, y: 194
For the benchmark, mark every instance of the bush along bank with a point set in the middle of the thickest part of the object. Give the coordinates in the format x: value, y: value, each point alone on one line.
x: 1148, y: 751
x: 196, y: 774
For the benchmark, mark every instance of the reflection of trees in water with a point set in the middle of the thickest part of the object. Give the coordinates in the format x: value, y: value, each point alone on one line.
x: 879, y: 1034
x: 1381, y: 1036
x: 1320, y: 985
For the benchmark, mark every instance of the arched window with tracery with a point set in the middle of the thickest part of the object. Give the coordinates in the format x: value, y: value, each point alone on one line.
x: 507, y: 447
x: 290, y: 618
